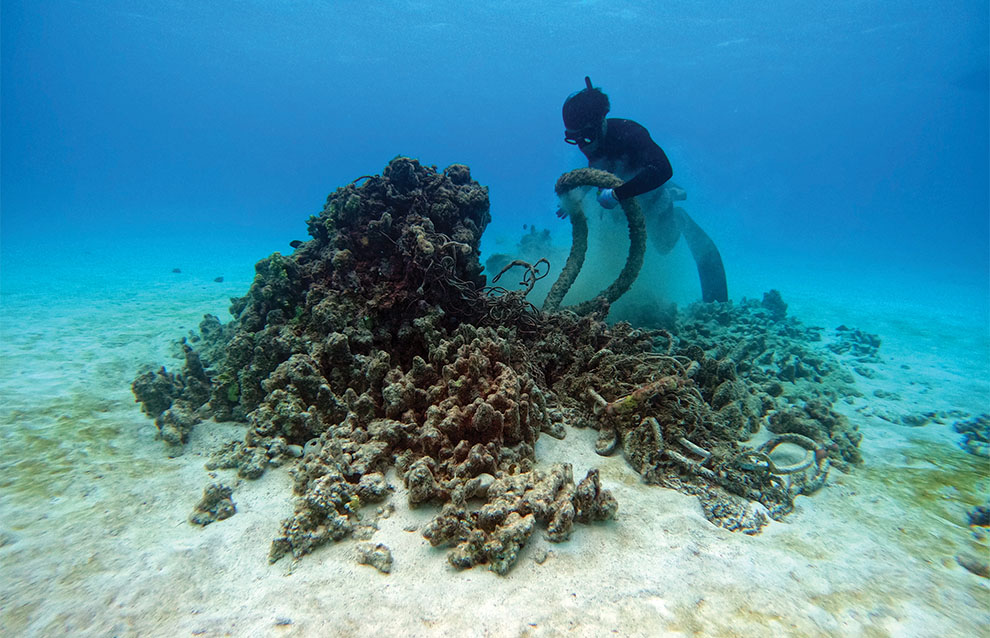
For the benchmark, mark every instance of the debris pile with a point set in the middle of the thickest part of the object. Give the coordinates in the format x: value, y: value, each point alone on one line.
x: 377, y: 345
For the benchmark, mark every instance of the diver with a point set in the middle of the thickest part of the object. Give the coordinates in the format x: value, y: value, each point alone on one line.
x: 625, y: 149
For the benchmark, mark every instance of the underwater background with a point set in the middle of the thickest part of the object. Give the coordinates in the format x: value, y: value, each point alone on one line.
x: 848, y: 138
x: 152, y: 152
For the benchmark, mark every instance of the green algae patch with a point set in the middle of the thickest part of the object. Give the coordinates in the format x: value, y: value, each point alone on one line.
x: 946, y: 471
x: 934, y: 489
x: 52, y: 442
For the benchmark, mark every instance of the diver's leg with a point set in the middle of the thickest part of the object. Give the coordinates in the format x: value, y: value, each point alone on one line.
x: 663, y: 229
x: 706, y: 256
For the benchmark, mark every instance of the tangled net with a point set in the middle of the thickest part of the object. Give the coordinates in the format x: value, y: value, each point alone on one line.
x: 510, y: 307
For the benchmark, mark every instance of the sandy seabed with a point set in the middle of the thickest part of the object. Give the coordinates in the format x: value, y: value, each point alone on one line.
x: 94, y: 538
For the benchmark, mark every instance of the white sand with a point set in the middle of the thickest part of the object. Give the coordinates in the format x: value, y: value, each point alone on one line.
x: 95, y: 540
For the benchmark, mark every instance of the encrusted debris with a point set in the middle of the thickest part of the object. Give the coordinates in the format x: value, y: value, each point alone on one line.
x: 976, y: 434
x: 215, y: 506
x: 375, y: 554
x: 378, y: 345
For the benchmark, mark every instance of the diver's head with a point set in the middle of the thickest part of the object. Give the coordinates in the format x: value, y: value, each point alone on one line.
x: 584, y: 112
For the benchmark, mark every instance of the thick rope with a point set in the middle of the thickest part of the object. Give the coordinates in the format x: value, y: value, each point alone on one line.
x: 579, y: 245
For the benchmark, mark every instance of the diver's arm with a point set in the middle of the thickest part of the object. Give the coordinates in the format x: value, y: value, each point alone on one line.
x: 654, y: 175
x: 635, y: 143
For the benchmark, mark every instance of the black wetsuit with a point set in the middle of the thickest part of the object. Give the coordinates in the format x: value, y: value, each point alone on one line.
x: 629, y: 144
x: 629, y: 152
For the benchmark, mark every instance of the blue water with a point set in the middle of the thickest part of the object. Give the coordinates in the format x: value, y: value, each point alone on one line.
x: 855, y: 134
x: 838, y: 151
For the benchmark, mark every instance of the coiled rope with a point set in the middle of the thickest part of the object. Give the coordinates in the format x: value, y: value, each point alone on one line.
x: 579, y: 243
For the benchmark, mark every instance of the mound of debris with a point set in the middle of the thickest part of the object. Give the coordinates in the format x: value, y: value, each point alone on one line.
x: 377, y: 346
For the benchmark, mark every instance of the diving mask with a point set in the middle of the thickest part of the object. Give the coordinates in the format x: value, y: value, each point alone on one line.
x: 583, y: 136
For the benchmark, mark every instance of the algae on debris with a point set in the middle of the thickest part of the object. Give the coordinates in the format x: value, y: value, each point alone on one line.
x: 378, y: 344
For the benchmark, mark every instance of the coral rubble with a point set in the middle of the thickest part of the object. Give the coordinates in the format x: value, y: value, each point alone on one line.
x: 376, y: 346
x: 216, y: 505
x: 173, y: 400
x: 375, y: 554
x: 976, y: 434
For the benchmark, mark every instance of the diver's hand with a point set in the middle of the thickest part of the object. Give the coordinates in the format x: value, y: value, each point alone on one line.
x: 606, y: 198
x: 561, y: 213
